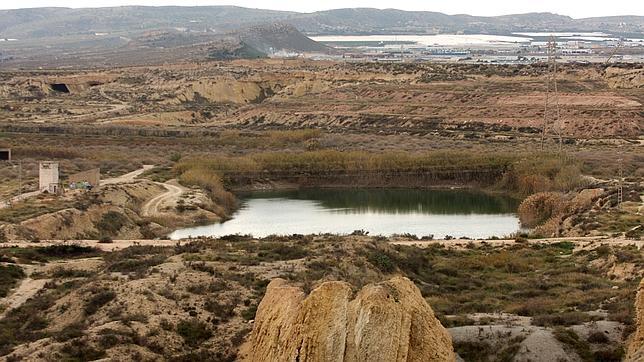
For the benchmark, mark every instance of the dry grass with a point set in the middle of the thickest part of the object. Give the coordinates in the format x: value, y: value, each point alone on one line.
x: 544, y: 172
x: 538, y: 208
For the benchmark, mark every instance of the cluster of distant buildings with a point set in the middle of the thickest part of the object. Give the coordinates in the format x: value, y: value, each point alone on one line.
x: 572, y: 49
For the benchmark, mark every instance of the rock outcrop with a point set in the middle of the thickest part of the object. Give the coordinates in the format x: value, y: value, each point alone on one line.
x: 636, y: 348
x: 389, y: 321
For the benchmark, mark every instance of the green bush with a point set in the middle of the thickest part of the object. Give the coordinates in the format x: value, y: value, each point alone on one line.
x: 111, y: 223
x: 193, y: 331
x: 570, y: 338
x: 82, y: 351
x: 105, y: 240
x: 382, y: 261
x: 561, y: 319
x: 223, y: 311
x: 98, y: 300
x: 249, y: 313
x: 9, y: 277
x: 136, y: 265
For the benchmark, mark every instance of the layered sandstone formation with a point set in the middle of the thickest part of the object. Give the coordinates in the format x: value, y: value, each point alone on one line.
x: 636, y: 348
x: 389, y: 321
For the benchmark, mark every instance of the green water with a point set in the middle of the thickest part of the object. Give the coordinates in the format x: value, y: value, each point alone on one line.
x: 443, y: 202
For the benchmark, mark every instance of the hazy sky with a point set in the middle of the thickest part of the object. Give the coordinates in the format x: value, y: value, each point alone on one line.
x: 574, y: 8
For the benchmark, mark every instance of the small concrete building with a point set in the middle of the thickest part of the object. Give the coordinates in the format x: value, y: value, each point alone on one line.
x: 49, y: 177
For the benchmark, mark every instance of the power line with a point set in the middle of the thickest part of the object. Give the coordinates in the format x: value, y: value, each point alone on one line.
x: 552, y: 96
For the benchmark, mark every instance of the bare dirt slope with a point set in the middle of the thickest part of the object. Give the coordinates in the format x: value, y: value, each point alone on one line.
x: 595, y: 101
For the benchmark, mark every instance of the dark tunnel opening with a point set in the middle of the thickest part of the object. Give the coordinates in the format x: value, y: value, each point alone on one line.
x: 59, y: 87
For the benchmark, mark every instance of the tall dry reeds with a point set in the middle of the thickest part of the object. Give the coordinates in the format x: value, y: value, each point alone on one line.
x: 538, y: 208
x: 211, y: 183
x: 543, y: 172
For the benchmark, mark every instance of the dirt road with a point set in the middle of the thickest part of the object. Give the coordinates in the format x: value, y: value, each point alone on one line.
x: 18, y: 198
x: 587, y: 243
x: 168, y: 199
x: 27, y: 288
x: 128, y: 177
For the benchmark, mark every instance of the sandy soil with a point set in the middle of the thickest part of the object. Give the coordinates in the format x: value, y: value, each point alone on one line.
x: 581, y: 243
x: 589, y: 242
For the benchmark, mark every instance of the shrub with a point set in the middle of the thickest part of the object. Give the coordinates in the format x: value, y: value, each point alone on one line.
x: 105, y: 240
x: 111, y: 223
x: 138, y: 266
x: 82, y: 351
x: 70, y: 273
x: 561, y: 319
x: 9, y: 276
x: 193, y: 331
x: 597, y: 337
x: 610, y: 355
x: 67, y: 251
x: 99, y: 300
x: 223, y: 311
x: 382, y: 261
x: 249, y: 313
x: 569, y: 337
x: 473, y: 351
x: 74, y: 330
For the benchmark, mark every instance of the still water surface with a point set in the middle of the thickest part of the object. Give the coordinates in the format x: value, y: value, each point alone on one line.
x: 379, y: 211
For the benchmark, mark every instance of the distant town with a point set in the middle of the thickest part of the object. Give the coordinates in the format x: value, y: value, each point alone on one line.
x: 517, y: 48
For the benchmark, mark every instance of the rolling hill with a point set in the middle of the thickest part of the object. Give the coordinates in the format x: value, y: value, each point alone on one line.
x: 48, y: 22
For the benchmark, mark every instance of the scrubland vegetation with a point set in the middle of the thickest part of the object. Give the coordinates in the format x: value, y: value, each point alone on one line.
x: 9, y: 276
x: 205, y: 291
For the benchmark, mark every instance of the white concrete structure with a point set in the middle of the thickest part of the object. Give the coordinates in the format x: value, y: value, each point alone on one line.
x: 49, y: 177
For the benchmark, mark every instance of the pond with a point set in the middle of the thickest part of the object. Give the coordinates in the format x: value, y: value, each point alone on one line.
x: 384, y: 212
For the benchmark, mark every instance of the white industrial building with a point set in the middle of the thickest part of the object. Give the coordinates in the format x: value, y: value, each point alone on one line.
x: 49, y: 177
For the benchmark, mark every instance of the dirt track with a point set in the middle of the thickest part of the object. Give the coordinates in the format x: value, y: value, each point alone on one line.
x: 27, y: 288
x: 580, y: 242
x: 128, y: 177
x: 157, y: 204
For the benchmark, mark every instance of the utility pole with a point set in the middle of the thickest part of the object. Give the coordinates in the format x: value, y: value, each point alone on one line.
x: 618, y: 46
x: 19, y: 178
x: 620, y: 185
x: 551, y: 87
x: 620, y: 169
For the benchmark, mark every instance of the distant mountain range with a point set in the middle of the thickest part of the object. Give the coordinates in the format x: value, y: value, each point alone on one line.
x: 132, y: 20
x: 63, y: 37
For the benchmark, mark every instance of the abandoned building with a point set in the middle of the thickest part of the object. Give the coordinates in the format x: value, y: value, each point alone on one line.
x: 49, y: 181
